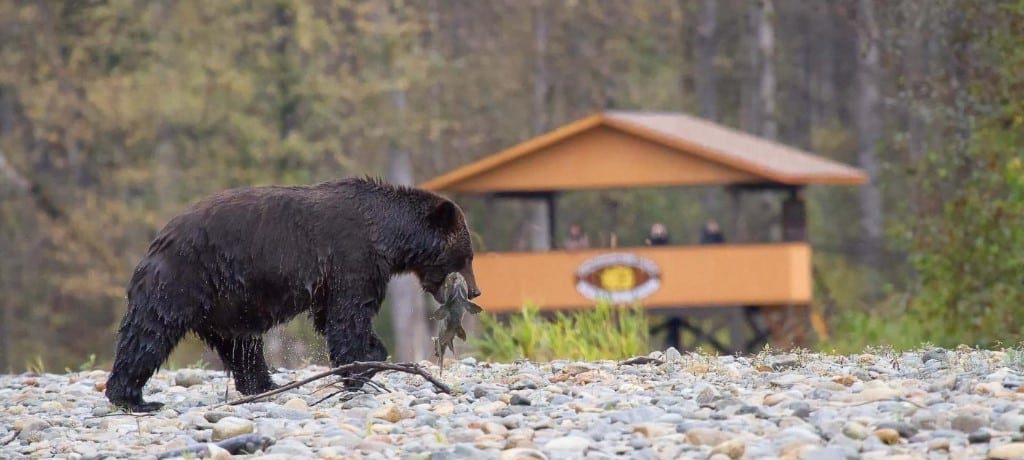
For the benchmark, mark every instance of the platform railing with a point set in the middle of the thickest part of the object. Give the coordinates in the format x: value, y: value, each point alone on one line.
x: 658, y: 277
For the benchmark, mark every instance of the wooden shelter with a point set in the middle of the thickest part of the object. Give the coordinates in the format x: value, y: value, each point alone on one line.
x: 620, y: 150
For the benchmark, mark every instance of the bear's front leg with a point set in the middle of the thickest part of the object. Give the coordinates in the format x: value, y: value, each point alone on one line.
x: 350, y: 336
x: 378, y: 351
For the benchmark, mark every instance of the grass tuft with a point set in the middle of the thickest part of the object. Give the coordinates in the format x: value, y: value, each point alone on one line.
x: 602, y: 333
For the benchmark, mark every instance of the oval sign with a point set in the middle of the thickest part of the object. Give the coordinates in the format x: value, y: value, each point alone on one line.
x: 618, y: 278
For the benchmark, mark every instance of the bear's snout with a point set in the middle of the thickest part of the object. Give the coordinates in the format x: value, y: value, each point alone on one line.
x: 474, y: 292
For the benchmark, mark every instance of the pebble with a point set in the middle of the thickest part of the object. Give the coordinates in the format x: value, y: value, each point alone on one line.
x: 1010, y: 421
x: 905, y: 430
x: 51, y: 406
x: 888, y: 435
x: 854, y: 430
x: 568, y: 443
x: 1007, y: 451
x: 654, y: 430
x: 391, y: 413
x: 229, y: 427
x: 520, y: 453
x: 980, y: 436
x: 967, y: 423
x: 518, y: 400
x: 706, y: 436
x: 732, y: 448
x: 188, y: 378
x: 936, y: 354
x: 296, y: 404
x: 939, y: 444
x: 291, y: 448
x: 214, y: 417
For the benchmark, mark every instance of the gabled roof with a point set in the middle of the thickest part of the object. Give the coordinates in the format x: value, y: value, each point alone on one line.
x: 642, y: 149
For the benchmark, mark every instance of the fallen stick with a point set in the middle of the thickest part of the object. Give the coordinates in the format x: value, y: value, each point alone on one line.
x: 356, y: 367
x: 13, y: 436
x: 864, y: 403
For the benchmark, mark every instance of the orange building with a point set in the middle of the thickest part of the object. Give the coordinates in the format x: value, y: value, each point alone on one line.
x: 770, y: 283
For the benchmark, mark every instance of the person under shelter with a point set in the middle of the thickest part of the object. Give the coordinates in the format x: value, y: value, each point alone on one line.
x: 658, y: 235
x: 711, y: 233
x: 576, y: 239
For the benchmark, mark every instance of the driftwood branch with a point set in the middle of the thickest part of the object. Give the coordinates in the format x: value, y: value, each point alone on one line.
x: 353, y: 368
x: 12, y: 437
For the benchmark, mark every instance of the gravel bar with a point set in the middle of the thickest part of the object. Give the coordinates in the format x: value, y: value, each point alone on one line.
x: 929, y: 404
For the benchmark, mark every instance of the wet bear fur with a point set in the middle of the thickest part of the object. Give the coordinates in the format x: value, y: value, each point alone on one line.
x: 242, y: 261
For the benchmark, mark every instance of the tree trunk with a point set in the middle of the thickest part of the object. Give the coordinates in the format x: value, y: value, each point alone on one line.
x: 766, y: 56
x: 798, y: 113
x: 408, y: 309
x: 538, y: 226
x: 915, y: 69
x: 705, y: 79
x: 869, y: 130
x: 820, y: 37
x: 435, y: 135
x: 707, y: 48
x: 759, y: 98
x: 750, y: 106
x: 541, y: 84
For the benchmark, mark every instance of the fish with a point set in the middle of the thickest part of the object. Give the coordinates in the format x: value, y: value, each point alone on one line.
x: 456, y: 303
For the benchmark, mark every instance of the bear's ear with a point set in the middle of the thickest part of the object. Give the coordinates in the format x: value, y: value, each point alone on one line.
x: 444, y: 215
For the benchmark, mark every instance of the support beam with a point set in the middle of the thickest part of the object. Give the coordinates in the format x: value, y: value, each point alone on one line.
x: 739, y: 224
x: 794, y: 216
x: 490, y: 205
x: 552, y: 204
x: 702, y: 336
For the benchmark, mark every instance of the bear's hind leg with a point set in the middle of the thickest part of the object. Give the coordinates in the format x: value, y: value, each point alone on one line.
x: 243, y: 356
x: 144, y: 342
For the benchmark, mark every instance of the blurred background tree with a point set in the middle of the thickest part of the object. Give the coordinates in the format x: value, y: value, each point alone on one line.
x: 114, y: 115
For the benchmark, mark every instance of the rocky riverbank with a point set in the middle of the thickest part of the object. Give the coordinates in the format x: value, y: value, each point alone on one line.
x: 934, y: 404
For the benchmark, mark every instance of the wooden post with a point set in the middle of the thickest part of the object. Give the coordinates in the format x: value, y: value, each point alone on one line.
x: 739, y: 224
x: 794, y: 216
x: 538, y: 228
x: 552, y: 204
x: 737, y: 337
x: 488, y: 231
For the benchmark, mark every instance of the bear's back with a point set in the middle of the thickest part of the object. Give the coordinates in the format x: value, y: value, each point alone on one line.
x: 263, y: 236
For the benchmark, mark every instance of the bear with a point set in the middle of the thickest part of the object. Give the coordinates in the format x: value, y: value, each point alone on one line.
x: 239, y: 262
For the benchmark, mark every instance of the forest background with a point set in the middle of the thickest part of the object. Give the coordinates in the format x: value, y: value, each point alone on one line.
x: 116, y: 114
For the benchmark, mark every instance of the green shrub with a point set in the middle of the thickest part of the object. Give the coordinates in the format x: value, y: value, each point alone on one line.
x: 969, y: 250
x: 602, y: 333
x: 857, y: 330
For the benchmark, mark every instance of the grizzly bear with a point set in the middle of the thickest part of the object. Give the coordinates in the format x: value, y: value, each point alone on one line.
x: 242, y: 261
